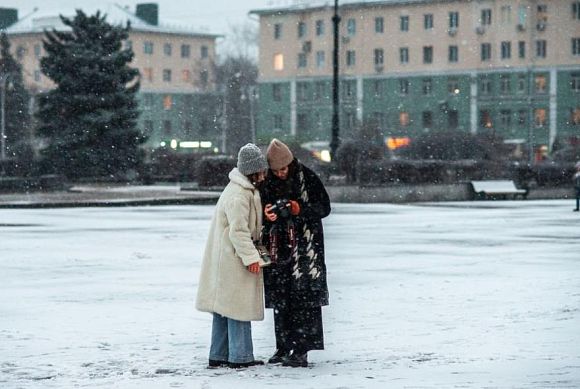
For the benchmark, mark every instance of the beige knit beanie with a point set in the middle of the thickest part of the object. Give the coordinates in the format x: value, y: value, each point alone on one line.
x: 279, y: 155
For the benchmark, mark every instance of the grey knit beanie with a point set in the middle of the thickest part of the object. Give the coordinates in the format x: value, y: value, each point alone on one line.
x: 251, y: 160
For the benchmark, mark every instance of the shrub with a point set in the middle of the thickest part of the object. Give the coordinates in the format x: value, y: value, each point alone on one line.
x: 213, y: 170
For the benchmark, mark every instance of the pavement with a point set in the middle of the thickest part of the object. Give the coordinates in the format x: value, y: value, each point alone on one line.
x: 107, y: 195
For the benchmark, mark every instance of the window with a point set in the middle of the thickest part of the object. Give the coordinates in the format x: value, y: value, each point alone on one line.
x: 485, y: 86
x: 302, y: 122
x: 301, y: 29
x: 349, y: 120
x: 351, y: 27
x: 522, y: 15
x: 506, y: 14
x: 185, y: 51
x: 349, y: 89
x: 204, y: 52
x: 485, y: 17
x: 404, y: 23
x: 186, y: 102
x: 277, y: 119
x: 540, y: 83
x: 540, y: 117
x: 320, y: 59
x: 506, y: 50
x: 522, y: 117
x: 319, y: 27
x: 167, y: 102
x: 576, y: 46
x: 167, y: 75
x: 148, y: 127
x: 319, y: 90
x: 167, y: 127
x: 453, y: 119
x: 485, y: 119
x: 485, y: 51
x: 575, y: 116
x: 277, y: 31
x: 350, y: 58
x: 453, y: 20
x: 279, y: 62
x: 505, y: 85
x: 404, y: 55
x: 148, y: 99
x: 167, y: 49
x: 37, y: 51
x: 204, y: 78
x: 302, y: 61
x: 576, y: 10
x: 427, y: 119
x: 575, y: 82
x: 404, y: 119
x: 186, y: 75
x: 427, y: 54
x: 453, y: 86
x: 404, y: 86
x: 148, y: 74
x: 378, y: 88
x: 301, y: 91
x: 379, y: 57
x: 37, y: 75
x: 541, y: 48
x: 453, y: 54
x: 522, y: 82
x: 148, y: 47
x: 522, y: 49
x: 379, y: 25
x: 428, y: 21
x: 427, y: 86
x: 505, y: 118
x: 277, y: 92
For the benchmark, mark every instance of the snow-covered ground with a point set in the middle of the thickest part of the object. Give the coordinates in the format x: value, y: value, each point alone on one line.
x: 447, y: 295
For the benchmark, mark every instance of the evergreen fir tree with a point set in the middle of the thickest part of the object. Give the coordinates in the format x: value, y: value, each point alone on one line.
x: 17, y: 98
x: 89, y: 119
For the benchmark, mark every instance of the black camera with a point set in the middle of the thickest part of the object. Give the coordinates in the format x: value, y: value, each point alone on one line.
x: 281, y: 208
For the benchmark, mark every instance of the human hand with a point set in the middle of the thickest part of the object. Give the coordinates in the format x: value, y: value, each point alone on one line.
x: 294, y: 207
x: 254, y: 268
x: 271, y: 216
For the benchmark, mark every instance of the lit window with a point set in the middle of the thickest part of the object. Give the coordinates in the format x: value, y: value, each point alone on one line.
x: 404, y: 119
x: 485, y: 119
x: 167, y: 102
x: 279, y: 62
x: 186, y: 75
x: 540, y: 117
x: 540, y: 83
x: 148, y: 74
x: 575, y: 116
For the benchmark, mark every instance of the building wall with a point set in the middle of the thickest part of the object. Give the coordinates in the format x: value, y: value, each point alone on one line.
x: 511, y: 22
x: 187, y: 100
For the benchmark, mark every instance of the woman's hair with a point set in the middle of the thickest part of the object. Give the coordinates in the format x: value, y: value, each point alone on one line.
x: 253, y: 178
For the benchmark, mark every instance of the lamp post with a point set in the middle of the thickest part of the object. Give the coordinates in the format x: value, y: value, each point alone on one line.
x: 335, y: 141
x: 4, y: 77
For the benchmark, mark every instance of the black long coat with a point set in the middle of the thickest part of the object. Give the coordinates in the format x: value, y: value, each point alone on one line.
x: 297, y: 280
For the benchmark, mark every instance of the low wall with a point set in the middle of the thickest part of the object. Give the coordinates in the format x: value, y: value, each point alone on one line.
x: 419, y: 193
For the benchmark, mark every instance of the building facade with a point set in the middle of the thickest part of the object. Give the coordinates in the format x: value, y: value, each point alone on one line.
x: 178, y: 101
x: 413, y: 66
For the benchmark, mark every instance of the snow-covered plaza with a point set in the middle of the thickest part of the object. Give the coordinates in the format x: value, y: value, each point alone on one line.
x: 445, y: 295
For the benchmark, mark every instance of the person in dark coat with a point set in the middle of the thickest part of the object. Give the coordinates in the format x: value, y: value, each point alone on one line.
x: 577, y: 186
x: 295, y: 201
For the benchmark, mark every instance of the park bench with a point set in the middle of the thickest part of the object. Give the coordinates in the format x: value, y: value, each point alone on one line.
x: 497, y: 189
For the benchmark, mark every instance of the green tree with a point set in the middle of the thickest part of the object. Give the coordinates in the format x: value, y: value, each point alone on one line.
x: 17, y: 98
x: 89, y: 119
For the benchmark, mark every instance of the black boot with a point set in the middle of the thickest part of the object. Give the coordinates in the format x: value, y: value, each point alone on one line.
x: 296, y: 360
x: 214, y: 364
x: 279, y: 356
x: 242, y: 365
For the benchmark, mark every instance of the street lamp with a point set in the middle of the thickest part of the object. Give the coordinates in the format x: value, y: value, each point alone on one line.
x: 4, y: 77
x: 335, y: 141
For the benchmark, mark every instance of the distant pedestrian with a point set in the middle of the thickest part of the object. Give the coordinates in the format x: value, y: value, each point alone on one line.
x: 295, y: 284
x: 577, y: 186
x: 231, y: 282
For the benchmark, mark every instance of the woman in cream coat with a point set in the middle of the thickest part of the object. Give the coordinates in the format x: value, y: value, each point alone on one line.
x: 231, y: 283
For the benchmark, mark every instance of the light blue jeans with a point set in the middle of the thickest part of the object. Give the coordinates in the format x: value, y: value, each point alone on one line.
x: 231, y: 340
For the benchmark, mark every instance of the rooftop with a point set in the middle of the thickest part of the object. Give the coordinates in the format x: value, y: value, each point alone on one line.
x: 40, y: 20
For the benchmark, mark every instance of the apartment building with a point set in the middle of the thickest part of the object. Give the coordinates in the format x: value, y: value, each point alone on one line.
x: 414, y: 66
x: 178, y: 100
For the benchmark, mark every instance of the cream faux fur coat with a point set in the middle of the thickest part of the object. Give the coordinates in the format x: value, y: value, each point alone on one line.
x: 225, y: 284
